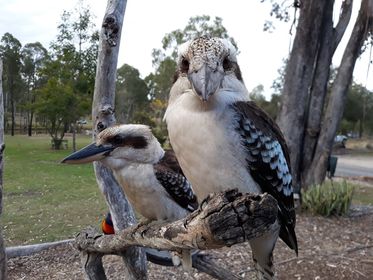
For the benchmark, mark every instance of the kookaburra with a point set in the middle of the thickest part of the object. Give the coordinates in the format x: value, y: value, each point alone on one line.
x: 151, y: 179
x: 222, y: 140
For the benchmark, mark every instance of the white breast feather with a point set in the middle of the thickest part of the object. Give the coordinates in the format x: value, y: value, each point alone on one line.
x: 206, y: 143
x: 147, y: 195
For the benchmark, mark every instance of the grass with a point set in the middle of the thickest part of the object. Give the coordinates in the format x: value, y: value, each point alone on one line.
x: 363, y: 195
x: 43, y: 199
x: 328, y: 199
x: 362, y: 146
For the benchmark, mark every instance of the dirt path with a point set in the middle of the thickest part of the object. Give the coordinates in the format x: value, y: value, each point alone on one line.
x: 354, y: 166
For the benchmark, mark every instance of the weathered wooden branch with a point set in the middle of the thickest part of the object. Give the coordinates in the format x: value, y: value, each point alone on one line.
x: 20, y: 251
x: 223, y: 219
x: 3, y: 267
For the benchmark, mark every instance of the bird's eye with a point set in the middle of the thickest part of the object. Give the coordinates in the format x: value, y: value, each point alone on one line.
x: 184, y: 65
x: 227, y: 65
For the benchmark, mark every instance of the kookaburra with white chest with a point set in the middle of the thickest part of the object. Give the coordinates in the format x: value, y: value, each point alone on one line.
x: 151, y: 179
x: 222, y: 140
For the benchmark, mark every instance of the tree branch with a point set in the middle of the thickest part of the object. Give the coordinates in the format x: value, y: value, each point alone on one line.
x: 344, y: 19
x: 223, y: 219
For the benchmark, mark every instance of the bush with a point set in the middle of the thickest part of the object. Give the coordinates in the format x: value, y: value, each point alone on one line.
x: 328, y: 199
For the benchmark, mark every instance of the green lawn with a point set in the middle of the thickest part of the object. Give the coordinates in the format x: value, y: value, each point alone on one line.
x: 43, y: 199
x: 363, y: 195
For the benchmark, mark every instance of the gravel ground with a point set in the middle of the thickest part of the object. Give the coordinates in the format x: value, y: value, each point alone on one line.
x: 329, y: 248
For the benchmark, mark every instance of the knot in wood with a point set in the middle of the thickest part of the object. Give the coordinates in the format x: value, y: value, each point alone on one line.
x: 107, y: 110
x: 111, y: 30
x: 100, y: 126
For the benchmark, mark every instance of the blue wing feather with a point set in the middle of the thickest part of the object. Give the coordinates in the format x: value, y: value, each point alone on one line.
x: 268, y: 162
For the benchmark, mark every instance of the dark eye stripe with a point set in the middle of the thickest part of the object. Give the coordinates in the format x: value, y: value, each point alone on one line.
x: 184, y: 67
x: 136, y: 142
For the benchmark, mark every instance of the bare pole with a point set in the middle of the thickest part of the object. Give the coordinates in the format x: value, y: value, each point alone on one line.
x: 103, y: 117
x: 3, y: 258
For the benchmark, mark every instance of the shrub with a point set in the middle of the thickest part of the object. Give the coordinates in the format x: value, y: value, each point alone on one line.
x: 328, y: 199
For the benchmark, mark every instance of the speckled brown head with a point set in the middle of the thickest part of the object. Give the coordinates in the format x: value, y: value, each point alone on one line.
x: 205, y: 61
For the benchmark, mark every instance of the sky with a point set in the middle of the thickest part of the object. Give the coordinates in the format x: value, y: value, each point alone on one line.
x: 147, y: 21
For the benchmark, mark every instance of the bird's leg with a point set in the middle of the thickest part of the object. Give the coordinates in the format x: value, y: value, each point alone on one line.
x: 186, y: 259
x: 183, y: 257
x: 262, y: 248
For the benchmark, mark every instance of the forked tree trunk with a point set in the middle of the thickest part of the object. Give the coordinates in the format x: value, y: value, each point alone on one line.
x: 103, y: 116
x: 309, y: 130
x: 330, y: 38
x: 3, y: 266
x: 334, y: 111
x: 298, y: 78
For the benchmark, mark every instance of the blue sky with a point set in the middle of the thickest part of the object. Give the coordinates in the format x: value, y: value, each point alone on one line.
x: 147, y: 21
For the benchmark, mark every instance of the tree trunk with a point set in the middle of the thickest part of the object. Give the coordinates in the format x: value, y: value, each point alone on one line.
x: 13, y: 114
x: 74, y: 136
x: 298, y: 78
x: 3, y: 259
x: 334, y: 110
x: 103, y: 116
x: 309, y: 134
x: 330, y: 38
x: 29, y: 130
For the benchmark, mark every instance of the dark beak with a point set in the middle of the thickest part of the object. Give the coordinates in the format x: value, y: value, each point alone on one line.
x: 89, y: 153
x: 206, y: 81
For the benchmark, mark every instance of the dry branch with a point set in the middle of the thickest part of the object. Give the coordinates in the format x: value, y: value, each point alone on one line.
x: 20, y: 251
x: 223, y: 219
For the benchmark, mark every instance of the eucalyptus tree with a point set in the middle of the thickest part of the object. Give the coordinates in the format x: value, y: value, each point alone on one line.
x: 358, y: 114
x: 132, y: 100
x: 33, y: 57
x: 308, y: 119
x: 10, y: 52
x: 70, y: 71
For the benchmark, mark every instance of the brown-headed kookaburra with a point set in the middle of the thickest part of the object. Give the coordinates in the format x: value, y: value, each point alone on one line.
x: 151, y: 179
x: 222, y: 140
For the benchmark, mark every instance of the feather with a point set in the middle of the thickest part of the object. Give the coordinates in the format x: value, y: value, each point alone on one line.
x: 171, y: 177
x: 264, y: 168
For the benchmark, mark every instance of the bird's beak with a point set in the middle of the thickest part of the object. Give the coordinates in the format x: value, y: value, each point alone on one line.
x: 206, y: 81
x: 89, y: 153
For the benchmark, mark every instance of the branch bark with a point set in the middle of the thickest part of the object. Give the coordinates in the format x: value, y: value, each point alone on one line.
x: 223, y: 219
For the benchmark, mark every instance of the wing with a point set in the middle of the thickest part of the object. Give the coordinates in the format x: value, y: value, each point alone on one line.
x: 268, y: 162
x: 169, y: 161
x: 170, y: 176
